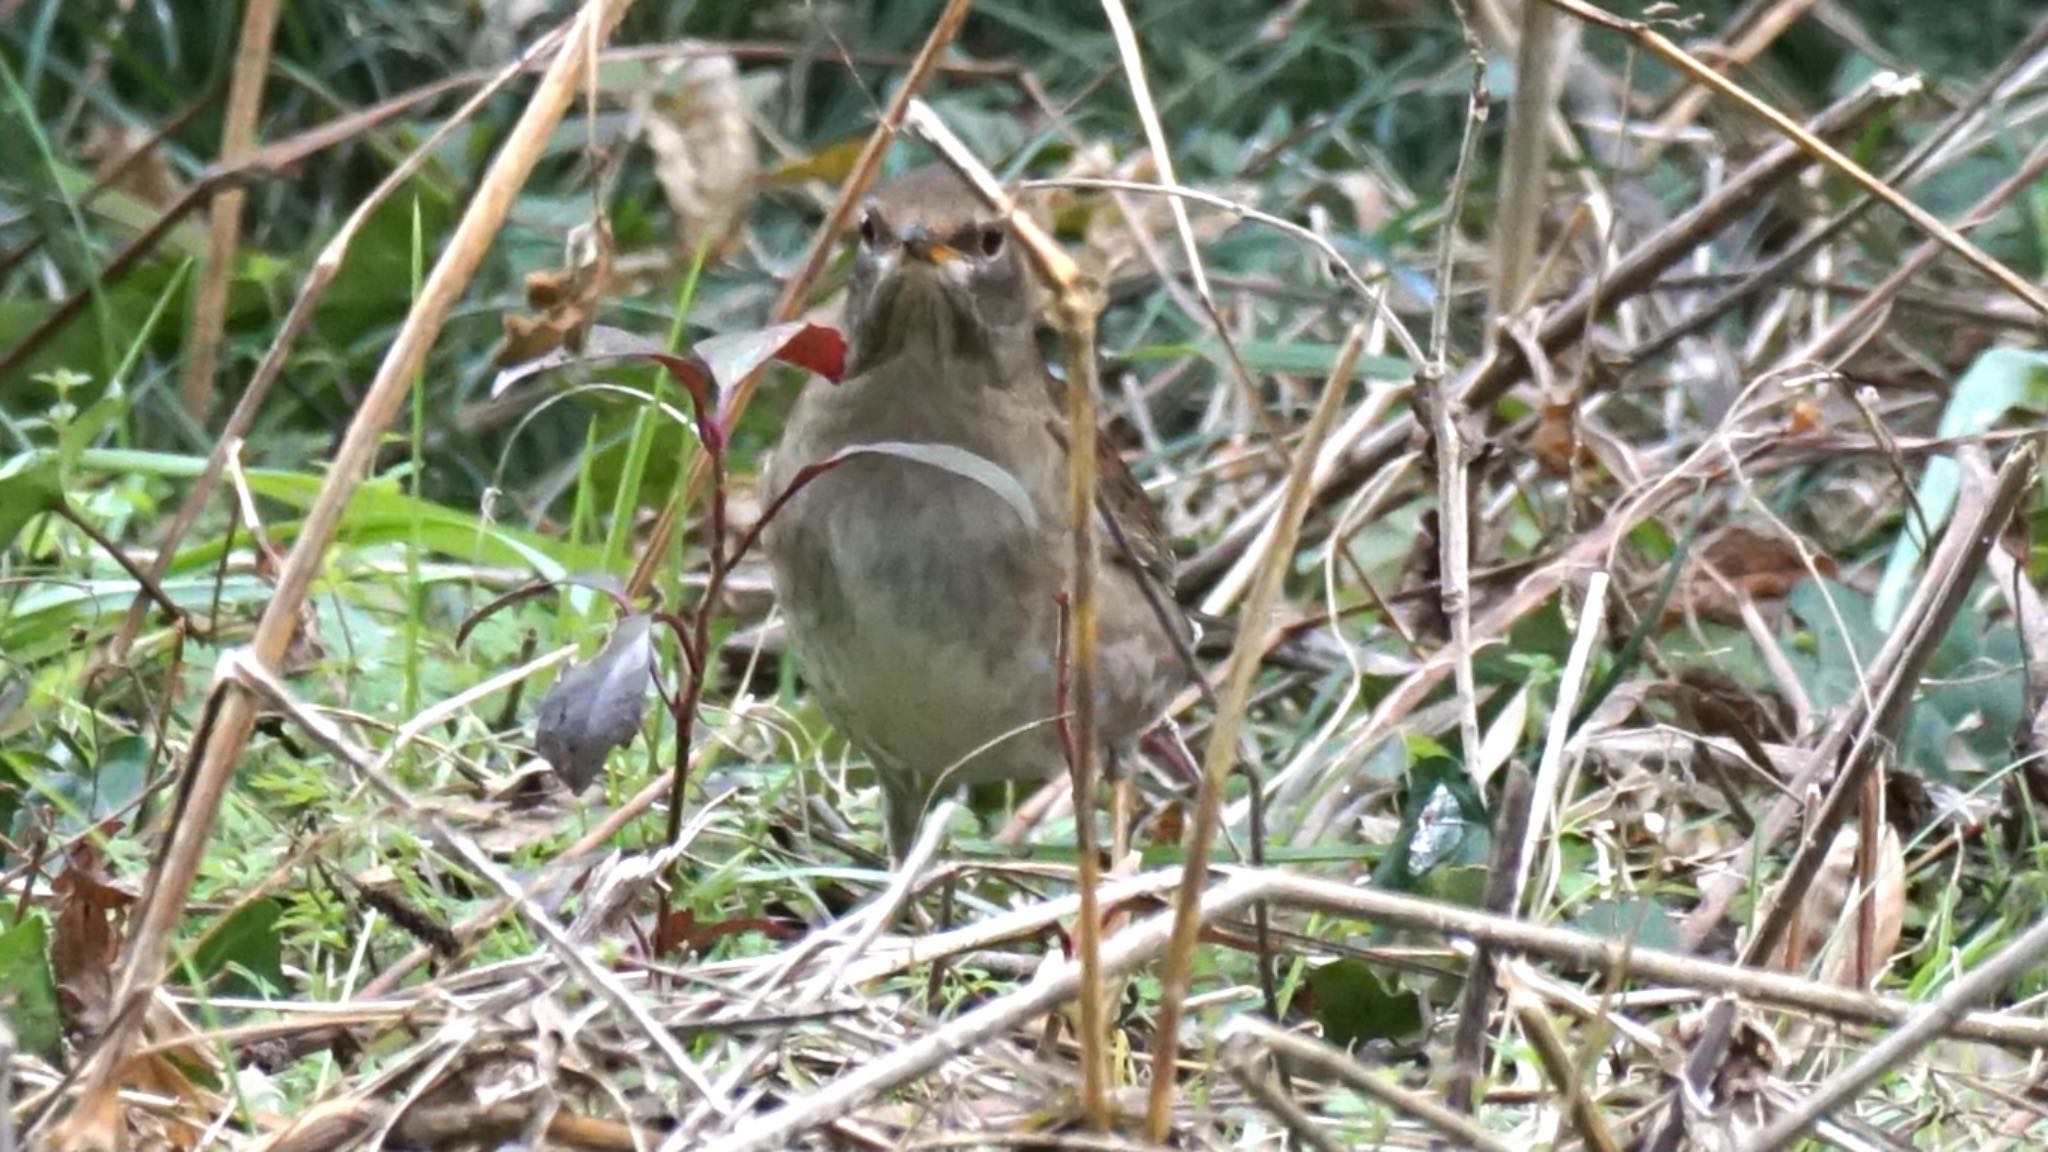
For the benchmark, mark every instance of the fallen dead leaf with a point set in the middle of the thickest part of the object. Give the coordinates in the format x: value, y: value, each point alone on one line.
x: 704, y: 152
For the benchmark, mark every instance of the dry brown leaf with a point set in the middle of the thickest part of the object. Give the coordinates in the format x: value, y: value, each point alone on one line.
x: 149, y: 178
x: 1367, y: 197
x: 704, y: 152
x: 1715, y: 704
x: 564, y: 299
x: 1738, y: 563
x: 1554, y: 441
x: 1827, y: 919
x: 1888, y: 905
x: 91, y: 914
x: 1753, y: 1055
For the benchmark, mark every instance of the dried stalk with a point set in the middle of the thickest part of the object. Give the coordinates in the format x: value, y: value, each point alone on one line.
x: 1317, y: 1057
x: 1525, y: 161
x: 318, y: 279
x: 1927, y: 221
x: 1077, y: 301
x: 1566, y: 324
x: 1221, y: 753
x: 238, y: 134
x: 1926, y: 1025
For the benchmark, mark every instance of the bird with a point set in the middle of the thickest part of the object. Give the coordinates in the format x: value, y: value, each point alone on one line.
x: 921, y: 575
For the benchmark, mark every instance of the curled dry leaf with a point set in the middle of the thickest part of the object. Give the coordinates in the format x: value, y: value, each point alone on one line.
x: 1741, y: 1084
x: 704, y: 152
x: 564, y: 300
x: 1741, y: 563
x: 92, y: 910
x: 1713, y: 703
x: 149, y: 178
x: 1367, y: 198
x: 1829, y: 921
x: 1554, y: 442
x: 598, y: 706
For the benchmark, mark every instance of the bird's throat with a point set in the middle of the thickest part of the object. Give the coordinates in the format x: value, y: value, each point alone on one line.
x: 918, y: 316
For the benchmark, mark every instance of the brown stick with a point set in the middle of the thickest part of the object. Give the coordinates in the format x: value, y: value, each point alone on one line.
x: 1077, y: 303
x: 1851, y: 748
x: 1927, y: 221
x: 267, y: 161
x: 1221, y: 753
x: 1568, y: 323
x: 238, y: 135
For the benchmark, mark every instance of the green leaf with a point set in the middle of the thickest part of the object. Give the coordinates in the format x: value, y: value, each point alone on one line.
x: 1844, y: 640
x: 1444, y: 838
x: 245, y: 950
x: 84, y: 798
x: 1353, y: 1005
x: 28, y: 989
x: 1997, y: 382
x: 83, y: 429
x: 380, y: 513
x: 1970, y: 699
x: 120, y: 775
x: 1646, y: 923
x: 31, y: 484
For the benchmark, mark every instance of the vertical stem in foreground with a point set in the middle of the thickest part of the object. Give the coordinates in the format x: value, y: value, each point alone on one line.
x: 238, y: 136
x: 1079, y: 302
x: 1221, y: 755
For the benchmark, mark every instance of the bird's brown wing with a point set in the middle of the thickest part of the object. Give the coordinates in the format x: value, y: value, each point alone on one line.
x: 1125, y: 503
x: 1129, y: 512
x: 1140, y: 543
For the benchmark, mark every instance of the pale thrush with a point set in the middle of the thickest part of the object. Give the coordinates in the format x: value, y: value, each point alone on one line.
x: 922, y: 587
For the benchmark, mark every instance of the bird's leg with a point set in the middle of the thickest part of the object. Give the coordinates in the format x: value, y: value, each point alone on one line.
x: 1123, y: 814
x: 903, y: 801
x: 1163, y: 743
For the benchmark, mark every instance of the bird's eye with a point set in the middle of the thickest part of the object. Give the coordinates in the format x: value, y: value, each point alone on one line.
x: 991, y: 241
x: 870, y: 231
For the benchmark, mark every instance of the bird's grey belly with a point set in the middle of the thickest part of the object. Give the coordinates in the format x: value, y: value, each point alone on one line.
x: 932, y: 643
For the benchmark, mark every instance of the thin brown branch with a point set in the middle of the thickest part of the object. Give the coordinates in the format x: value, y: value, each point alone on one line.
x: 1317, y: 1058
x: 1799, y: 253
x: 1077, y: 301
x: 1221, y: 753
x: 1926, y: 1025
x: 238, y: 136
x: 1567, y: 323
x: 318, y: 280
x: 1682, y: 60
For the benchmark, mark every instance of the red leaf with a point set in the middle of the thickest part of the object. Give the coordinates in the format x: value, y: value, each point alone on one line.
x: 714, y: 365
x: 735, y: 355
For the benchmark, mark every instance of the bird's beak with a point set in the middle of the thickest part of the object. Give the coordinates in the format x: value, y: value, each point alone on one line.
x: 920, y: 244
